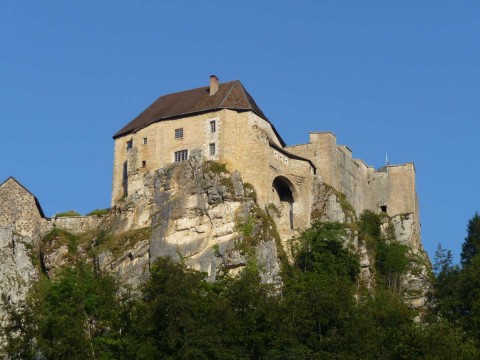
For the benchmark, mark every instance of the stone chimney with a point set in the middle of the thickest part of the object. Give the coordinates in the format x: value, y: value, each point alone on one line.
x: 213, y: 84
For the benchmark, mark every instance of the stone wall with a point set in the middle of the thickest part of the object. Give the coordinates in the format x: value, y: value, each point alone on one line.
x: 76, y: 224
x: 390, y: 189
x: 244, y: 142
x: 18, y: 207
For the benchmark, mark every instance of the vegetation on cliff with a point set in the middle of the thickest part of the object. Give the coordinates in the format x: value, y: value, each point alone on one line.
x: 457, y: 287
x: 86, y: 314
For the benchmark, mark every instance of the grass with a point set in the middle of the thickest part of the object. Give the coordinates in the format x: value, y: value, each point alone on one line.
x: 117, y: 244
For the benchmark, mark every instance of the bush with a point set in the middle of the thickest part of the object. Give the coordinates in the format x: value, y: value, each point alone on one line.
x: 69, y: 213
x: 216, y: 167
x: 99, y: 212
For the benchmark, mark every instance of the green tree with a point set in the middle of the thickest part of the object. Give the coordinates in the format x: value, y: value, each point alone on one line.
x: 391, y: 260
x: 76, y: 316
x: 471, y: 246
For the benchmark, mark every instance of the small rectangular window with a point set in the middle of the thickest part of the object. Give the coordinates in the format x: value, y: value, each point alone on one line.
x: 212, y: 149
x: 129, y: 144
x: 144, y: 163
x: 181, y: 155
x: 179, y: 133
x: 145, y: 141
x: 213, y: 126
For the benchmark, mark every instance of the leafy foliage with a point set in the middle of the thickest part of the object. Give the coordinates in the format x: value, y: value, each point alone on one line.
x: 177, y: 314
x: 391, y: 259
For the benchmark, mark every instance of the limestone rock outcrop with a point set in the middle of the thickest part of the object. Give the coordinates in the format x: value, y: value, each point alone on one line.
x: 196, y: 209
x: 18, y: 271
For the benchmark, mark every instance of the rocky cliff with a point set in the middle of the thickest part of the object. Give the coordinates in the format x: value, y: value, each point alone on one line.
x: 197, y: 213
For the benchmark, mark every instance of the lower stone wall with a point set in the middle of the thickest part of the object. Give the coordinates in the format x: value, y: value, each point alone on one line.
x: 75, y: 224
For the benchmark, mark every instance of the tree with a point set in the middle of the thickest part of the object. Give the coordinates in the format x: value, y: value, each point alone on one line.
x: 78, y: 315
x: 443, y: 260
x: 471, y: 246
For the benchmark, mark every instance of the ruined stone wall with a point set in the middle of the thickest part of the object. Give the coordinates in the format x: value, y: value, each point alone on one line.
x: 19, y: 208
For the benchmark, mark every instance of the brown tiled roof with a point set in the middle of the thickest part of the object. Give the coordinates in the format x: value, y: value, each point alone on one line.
x: 230, y: 95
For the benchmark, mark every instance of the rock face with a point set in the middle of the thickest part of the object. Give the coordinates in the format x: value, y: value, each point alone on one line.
x: 197, y: 213
x: 330, y: 205
x: 417, y: 280
x: 195, y: 210
x: 17, y: 273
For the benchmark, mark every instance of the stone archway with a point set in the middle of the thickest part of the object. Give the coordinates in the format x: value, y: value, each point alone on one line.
x: 284, y: 192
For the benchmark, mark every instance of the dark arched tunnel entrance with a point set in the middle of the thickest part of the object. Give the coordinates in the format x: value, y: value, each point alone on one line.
x: 283, y: 188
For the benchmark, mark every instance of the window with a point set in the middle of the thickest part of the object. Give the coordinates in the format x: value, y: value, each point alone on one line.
x: 179, y: 133
x: 213, y: 126
x: 145, y: 141
x: 144, y: 163
x: 125, y: 172
x: 181, y: 155
x: 212, y: 149
x: 383, y: 208
x: 129, y: 144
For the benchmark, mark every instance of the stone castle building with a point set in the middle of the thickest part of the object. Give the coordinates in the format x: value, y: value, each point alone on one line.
x: 20, y: 208
x: 223, y: 122
x: 189, y: 212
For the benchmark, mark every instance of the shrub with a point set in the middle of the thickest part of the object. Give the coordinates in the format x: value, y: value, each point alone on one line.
x: 99, y: 212
x: 216, y: 167
x: 69, y: 213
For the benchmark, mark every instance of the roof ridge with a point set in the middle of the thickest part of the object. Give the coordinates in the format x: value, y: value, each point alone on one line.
x: 194, y: 89
x: 244, y: 92
x: 229, y: 91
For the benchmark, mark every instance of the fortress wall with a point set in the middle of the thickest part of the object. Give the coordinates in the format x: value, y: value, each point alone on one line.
x: 18, y: 207
x: 244, y: 147
x: 364, y: 188
x: 76, y: 224
x: 337, y: 168
x: 402, y: 197
x: 353, y: 179
x: 379, y: 191
x: 300, y: 174
x: 321, y: 150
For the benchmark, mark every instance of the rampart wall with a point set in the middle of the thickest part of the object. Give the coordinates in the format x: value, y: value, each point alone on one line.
x: 390, y: 189
x: 75, y: 224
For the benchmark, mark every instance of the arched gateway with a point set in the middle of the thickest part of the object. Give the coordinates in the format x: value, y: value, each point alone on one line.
x: 284, y: 190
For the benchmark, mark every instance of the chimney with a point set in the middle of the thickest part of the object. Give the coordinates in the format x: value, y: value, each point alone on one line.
x: 213, y: 84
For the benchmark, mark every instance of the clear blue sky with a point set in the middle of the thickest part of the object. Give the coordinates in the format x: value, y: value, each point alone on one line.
x: 386, y: 77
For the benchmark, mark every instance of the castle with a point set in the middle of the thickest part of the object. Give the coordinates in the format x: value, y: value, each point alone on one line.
x: 223, y: 122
